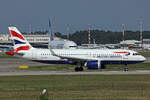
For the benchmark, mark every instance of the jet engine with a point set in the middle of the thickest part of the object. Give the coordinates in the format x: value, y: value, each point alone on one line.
x: 95, y: 64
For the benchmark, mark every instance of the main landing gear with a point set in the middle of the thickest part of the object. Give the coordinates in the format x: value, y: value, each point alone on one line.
x: 125, y: 68
x: 78, y: 68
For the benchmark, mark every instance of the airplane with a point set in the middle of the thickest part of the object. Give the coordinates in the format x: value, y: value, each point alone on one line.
x: 91, y: 58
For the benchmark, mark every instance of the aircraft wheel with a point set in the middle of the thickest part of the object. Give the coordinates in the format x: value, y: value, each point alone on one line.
x: 80, y: 68
x: 103, y: 66
x: 125, y: 68
x: 76, y: 69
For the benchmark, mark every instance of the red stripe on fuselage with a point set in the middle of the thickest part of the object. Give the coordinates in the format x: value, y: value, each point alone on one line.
x: 124, y: 52
x: 13, y: 33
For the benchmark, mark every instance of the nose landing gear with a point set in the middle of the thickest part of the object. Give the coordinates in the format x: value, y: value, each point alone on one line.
x: 125, y: 68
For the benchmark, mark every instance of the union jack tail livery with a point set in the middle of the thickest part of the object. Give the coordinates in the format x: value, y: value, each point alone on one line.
x: 19, y: 42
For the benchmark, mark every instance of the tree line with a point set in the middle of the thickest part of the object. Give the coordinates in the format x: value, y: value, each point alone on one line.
x: 100, y: 36
x: 104, y: 37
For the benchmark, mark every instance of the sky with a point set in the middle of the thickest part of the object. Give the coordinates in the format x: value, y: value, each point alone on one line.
x: 33, y: 15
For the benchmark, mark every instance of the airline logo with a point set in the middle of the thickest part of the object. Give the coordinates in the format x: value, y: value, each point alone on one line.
x: 122, y: 52
x: 14, y: 34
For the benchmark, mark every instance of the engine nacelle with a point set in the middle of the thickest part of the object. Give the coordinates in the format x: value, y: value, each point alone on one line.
x: 95, y: 64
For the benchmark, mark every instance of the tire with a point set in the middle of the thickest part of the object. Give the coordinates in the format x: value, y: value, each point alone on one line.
x: 103, y: 66
x: 76, y: 69
x: 80, y: 68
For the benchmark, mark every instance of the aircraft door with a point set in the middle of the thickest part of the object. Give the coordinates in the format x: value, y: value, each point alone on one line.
x: 34, y: 55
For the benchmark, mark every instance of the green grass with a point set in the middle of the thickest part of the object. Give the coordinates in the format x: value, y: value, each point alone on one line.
x: 61, y: 67
x: 140, y: 66
x: 76, y: 87
x: 145, y: 54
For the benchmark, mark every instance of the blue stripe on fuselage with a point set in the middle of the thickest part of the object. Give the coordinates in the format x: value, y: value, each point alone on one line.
x: 102, y: 62
x: 120, y: 62
x: 54, y: 61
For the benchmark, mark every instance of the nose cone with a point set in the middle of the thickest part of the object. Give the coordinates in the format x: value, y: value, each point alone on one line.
x: 143, y: 58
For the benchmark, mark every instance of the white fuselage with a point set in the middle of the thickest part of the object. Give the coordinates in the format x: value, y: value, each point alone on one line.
x: 104, y: 55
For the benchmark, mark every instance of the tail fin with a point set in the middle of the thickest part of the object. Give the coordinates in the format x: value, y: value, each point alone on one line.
x: 51, y: 31
x: 19, y: 42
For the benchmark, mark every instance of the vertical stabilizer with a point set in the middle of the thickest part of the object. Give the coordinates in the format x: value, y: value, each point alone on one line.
x: 50, y: 31
x: 19, y: 42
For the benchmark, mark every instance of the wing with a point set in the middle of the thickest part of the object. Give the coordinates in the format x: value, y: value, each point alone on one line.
x: 74, y: 57
x: 78, y: 58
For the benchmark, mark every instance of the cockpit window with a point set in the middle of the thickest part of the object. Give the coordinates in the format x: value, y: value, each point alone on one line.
x: 136, y: 54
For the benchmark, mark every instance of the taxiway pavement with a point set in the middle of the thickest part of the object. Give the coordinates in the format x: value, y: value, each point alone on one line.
x: 8, y: 67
